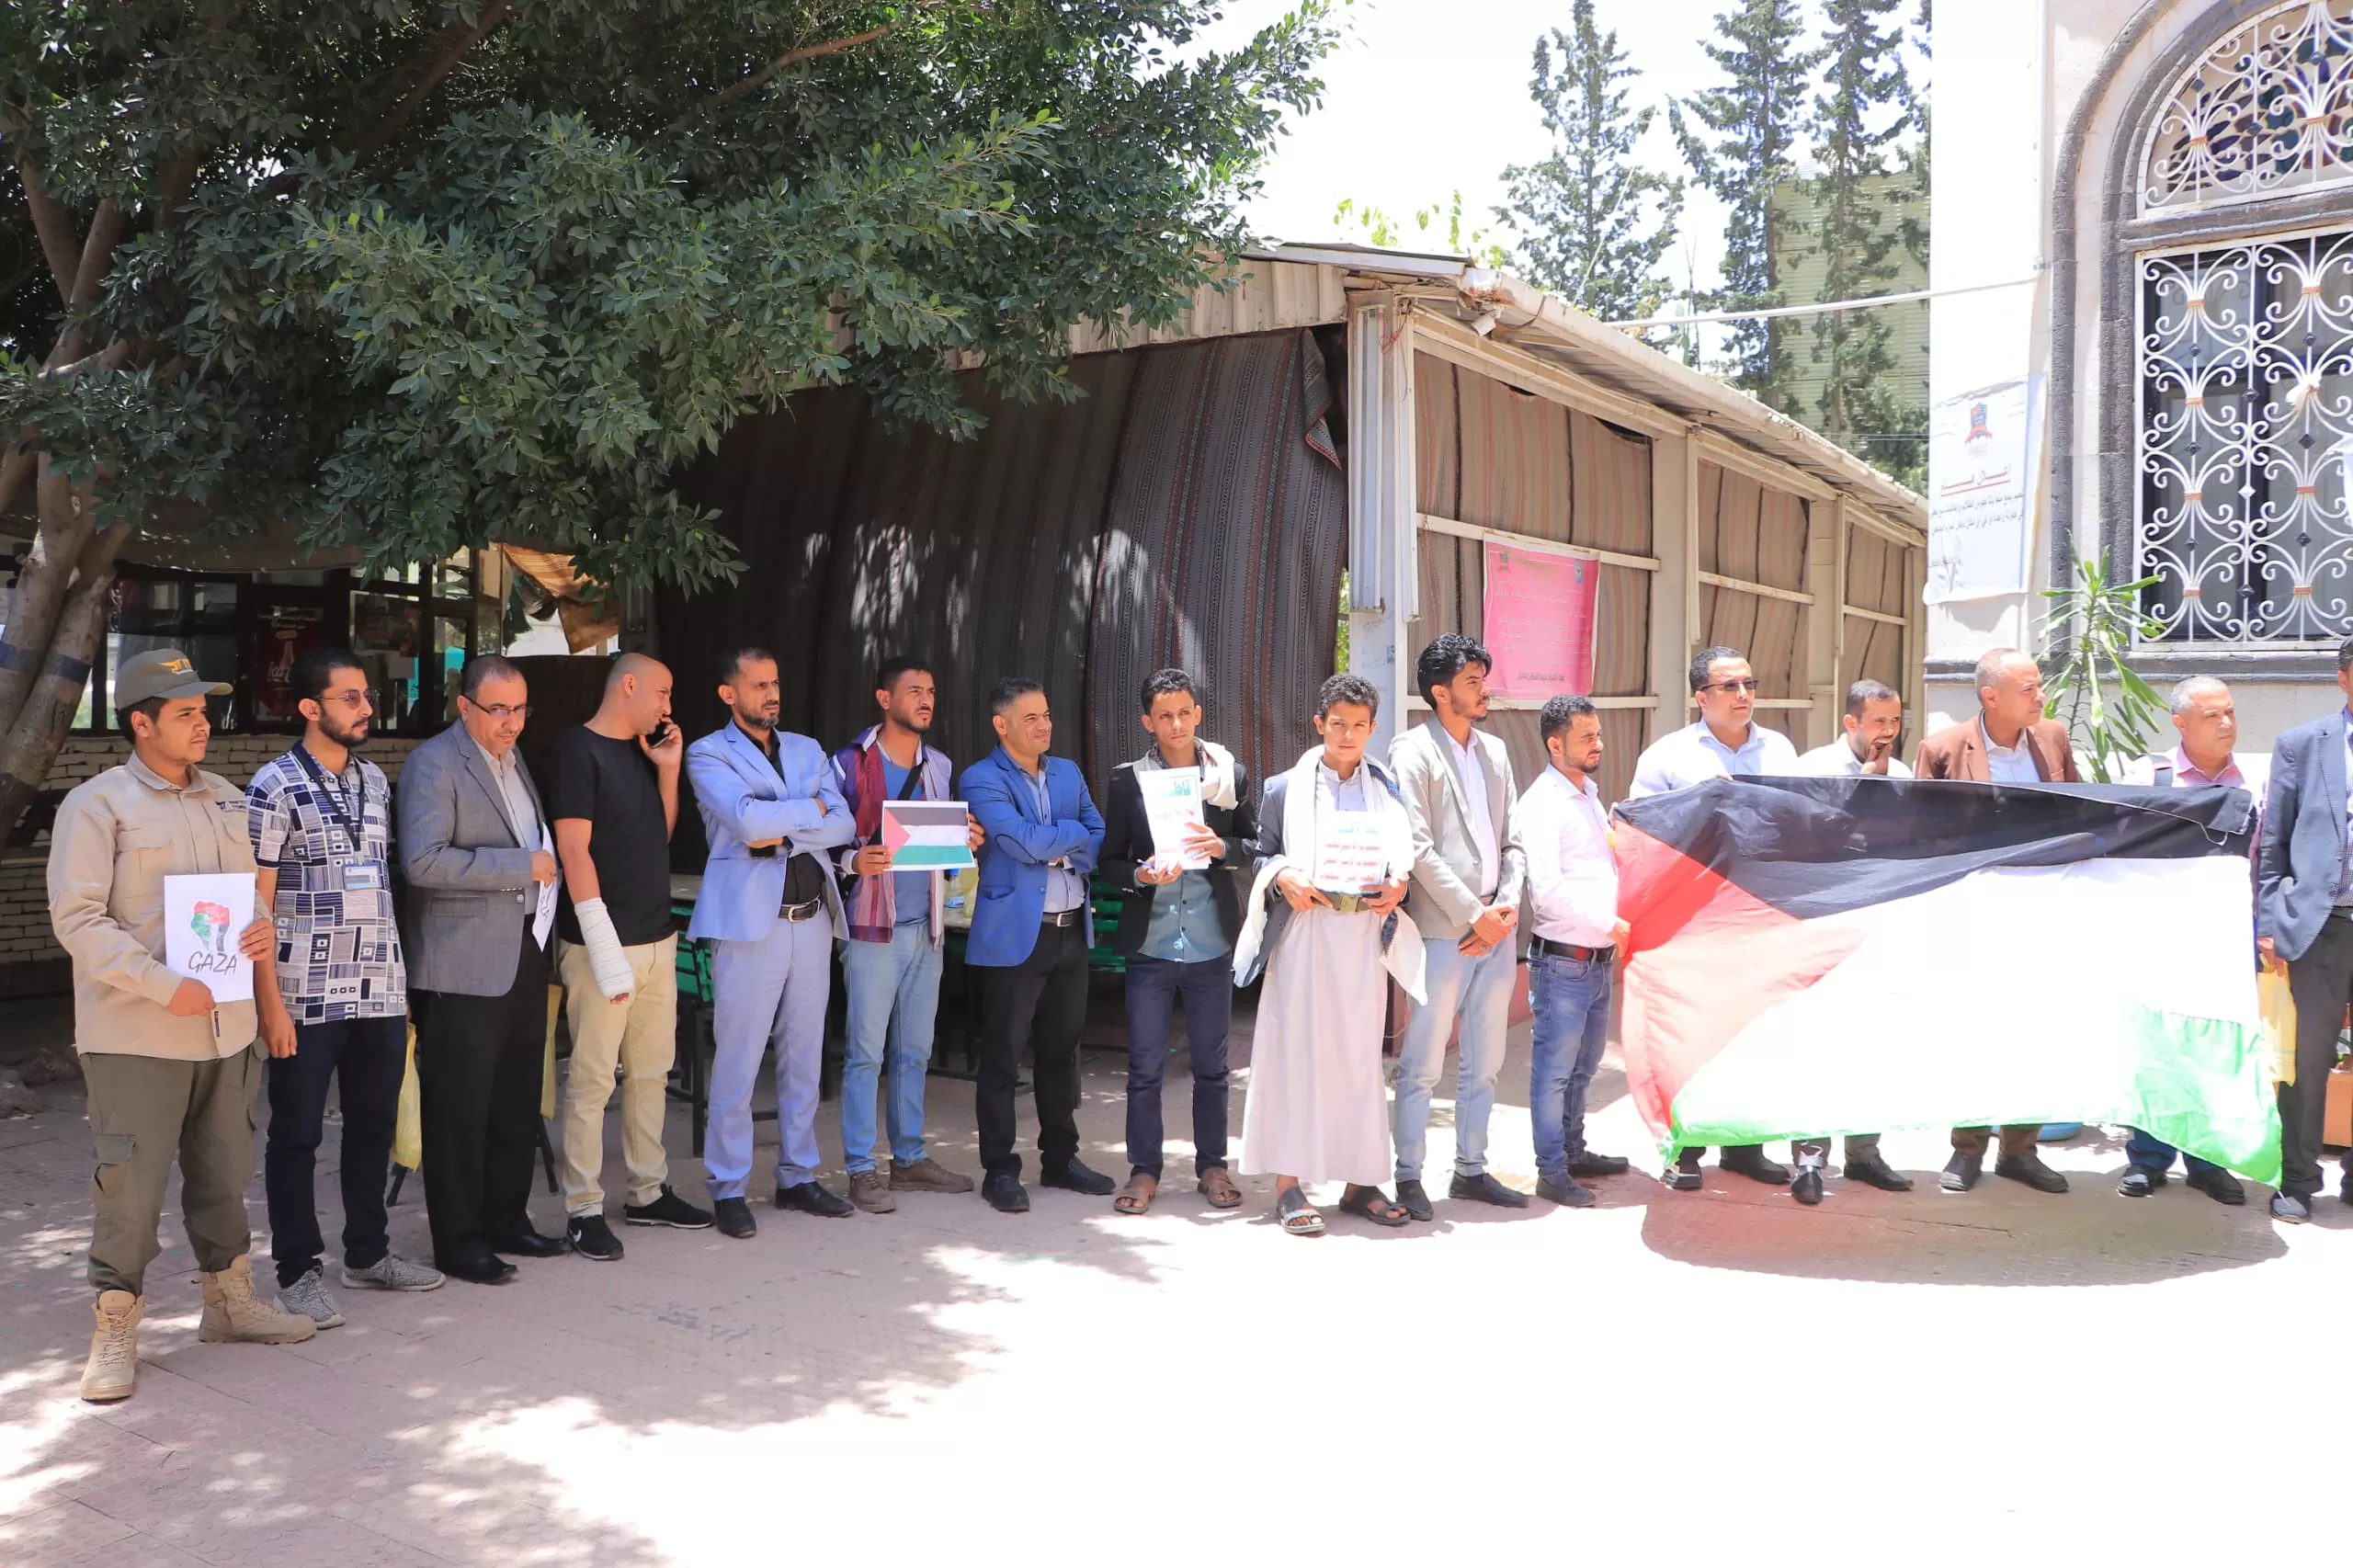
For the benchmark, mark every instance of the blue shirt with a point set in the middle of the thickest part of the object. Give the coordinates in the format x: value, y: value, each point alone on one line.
x: 1681, y: 758
x: 1065, y: 889
x: 910, y: 891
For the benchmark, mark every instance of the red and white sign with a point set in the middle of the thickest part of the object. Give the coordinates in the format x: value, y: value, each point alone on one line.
x: 1540, y: 622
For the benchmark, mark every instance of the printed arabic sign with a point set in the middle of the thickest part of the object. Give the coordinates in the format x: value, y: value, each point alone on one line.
x: 1981, y: 474
x: 1539, y: 621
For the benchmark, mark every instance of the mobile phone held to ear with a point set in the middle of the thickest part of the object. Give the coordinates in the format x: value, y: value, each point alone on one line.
x: 661, y: 735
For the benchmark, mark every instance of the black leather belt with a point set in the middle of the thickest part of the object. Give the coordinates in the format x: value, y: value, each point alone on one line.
x: 1571, y: 950
x: 1061, y: 917
x: 798, y: 911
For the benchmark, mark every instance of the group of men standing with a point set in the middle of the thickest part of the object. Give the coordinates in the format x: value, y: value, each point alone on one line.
x: 509, y: 886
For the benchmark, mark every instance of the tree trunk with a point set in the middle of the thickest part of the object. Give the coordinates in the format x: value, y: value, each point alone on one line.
x: 57, y: 614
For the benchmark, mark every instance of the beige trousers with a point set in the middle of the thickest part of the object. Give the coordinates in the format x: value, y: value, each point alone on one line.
x: 638, y: 1036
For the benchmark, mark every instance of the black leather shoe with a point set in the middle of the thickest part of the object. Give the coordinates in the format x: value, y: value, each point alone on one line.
x: 1416, y: 1201
x: 811, y: 1198
x: 483, y: 1268
x: 1872, y: 1170
x: 1752, y: 1164
x: 2219, y: 1185
x: 1961, y: 1171
x: 1684, y: 1174
x: 1076, y: 1178
x: 733, y: 1216
x: 2030, y: 1170
x: 1006, y: 1194
x: 1589, y: 1165
x: 2138, y: 1182
x: 529, y: 1244
x: 2344, y: 1188
x: 1485, y: 1188
x: 1564, y: 1191
x: 1806, y: 1186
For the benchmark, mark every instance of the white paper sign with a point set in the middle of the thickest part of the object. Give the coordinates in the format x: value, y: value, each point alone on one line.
x: 204, y: 914
x: 545, y: 918
x: 1351, y: 852
x: 1172, y: 804
x: 1983, y: 479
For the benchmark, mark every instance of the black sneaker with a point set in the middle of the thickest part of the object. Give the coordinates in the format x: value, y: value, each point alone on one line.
x: 592, y: 1238
x: 668, y: 1210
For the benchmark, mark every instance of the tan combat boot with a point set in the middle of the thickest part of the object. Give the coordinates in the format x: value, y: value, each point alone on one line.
x: 113, y: 1365
x: 230, y: 1312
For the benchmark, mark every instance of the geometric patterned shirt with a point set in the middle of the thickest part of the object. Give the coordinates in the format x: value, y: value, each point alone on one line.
x: 338, y: 947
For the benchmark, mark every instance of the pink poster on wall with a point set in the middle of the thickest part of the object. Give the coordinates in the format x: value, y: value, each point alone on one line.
x: 1540, y: 616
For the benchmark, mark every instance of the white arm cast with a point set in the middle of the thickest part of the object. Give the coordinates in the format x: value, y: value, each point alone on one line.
x: 606, y: 954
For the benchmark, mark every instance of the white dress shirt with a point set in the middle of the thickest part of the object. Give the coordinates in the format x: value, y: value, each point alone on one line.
x: 1473, y: 776
x: 1838, y: 760
x: 517, y: 799
x: 2007, y: 764
x: 1572, y: 869
x: 1693, y: 755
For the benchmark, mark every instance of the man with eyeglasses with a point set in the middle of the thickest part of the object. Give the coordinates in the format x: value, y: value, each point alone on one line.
x: 1725, y: 742
x: 320, y: 819
x: 481, y: 864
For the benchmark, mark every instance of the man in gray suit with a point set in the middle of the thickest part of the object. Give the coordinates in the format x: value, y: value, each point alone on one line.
x: 482, y: 872
x: 2304, y: 915
x: 1456, y: 783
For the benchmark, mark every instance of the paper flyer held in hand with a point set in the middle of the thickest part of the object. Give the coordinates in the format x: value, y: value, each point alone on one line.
x: 203, y: 916
x: 1172, y: 804
x: 927, y: 836
x: 1351, y: 852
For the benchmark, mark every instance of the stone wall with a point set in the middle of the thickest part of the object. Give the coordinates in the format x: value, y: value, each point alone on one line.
x: 30, y: 960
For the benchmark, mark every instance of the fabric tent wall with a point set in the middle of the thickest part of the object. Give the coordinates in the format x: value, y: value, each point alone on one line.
x: 1757, y: 535
x: 1490, y: 454
x: 1187, y: 509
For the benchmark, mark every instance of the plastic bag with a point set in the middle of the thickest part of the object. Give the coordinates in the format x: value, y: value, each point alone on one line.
x: 2278, y: 1005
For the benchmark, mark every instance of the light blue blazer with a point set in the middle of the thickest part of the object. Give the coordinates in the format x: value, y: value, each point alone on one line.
x: 1013, y: 857
x: 2303, y: 835
x: 743, y: 799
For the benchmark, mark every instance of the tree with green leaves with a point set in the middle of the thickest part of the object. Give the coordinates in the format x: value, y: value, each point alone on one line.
x: 1593, y: 223
x: 1379, y: 228
x: 1745, y: 143
x: 414, y: 274
x: 1857, y: 200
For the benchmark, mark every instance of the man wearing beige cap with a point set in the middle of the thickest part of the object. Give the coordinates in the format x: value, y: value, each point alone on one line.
x: 172, y: 1072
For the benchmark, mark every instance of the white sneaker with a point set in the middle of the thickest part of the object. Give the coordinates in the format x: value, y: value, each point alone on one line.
x: 392, y: 1273
x: 309, y: 1297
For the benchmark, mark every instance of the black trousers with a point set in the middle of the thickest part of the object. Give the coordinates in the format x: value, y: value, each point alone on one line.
x: 1039, y: 1005
x: 2322, y: 983
x: 479, y: 1071
x: 367, y: 1056
x: 1153, y: 986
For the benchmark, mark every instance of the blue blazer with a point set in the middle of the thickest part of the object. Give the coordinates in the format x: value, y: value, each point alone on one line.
x: 2303, y: 835
x: 1013, y: 857
x: 742, y: 798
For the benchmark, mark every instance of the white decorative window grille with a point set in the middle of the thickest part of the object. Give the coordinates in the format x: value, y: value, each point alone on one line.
x: 2268, y: 111
x: 2246, y: 427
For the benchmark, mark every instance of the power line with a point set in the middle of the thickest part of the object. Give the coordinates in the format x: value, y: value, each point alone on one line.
x: 1826, y: 308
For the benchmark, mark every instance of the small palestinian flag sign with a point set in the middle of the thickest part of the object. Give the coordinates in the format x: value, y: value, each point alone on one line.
x: 1817, y: 956
x: 927, y: 835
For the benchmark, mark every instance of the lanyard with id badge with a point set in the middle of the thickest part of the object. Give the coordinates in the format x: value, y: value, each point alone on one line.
x: 355, y: 871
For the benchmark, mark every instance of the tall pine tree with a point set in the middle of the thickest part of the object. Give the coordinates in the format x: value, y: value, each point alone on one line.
x: 1593, y: 224
x: 1857, y: 201
x: 1744, y: 145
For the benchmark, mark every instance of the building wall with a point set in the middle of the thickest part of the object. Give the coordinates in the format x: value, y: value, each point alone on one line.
x: 30, y: 960
x: 2029, y: 92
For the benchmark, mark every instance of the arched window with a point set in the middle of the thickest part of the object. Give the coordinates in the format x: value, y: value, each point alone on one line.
x: 2246, y: 343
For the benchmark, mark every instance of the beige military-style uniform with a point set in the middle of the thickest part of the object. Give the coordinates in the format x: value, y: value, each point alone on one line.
x: 163, y: 1089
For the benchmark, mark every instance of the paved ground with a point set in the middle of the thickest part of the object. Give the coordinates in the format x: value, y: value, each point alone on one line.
x: 1922, y: 1379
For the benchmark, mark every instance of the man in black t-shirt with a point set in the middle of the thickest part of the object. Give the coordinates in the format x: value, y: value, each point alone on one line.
x: 613, y: 794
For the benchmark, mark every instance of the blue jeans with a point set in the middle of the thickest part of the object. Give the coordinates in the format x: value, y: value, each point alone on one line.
x: 1480, y: 991
x: 1153, y: 985
x: 772, y: 991
x: 2156, y: 1154
x: 1571, y: 1000
x: 892, y: 989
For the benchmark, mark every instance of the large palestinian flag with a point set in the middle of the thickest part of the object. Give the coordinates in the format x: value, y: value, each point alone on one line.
x: 1813, y: 956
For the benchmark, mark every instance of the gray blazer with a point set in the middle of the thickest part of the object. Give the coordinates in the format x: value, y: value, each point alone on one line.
x: 470, y: 897
x: 1270, y: 846
x: 2303, y: 835
x: 1444, y: 898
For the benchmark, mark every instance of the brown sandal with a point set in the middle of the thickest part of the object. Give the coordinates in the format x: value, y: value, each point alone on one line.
x: 1219, y: 1188
x: 1137, y: 1196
